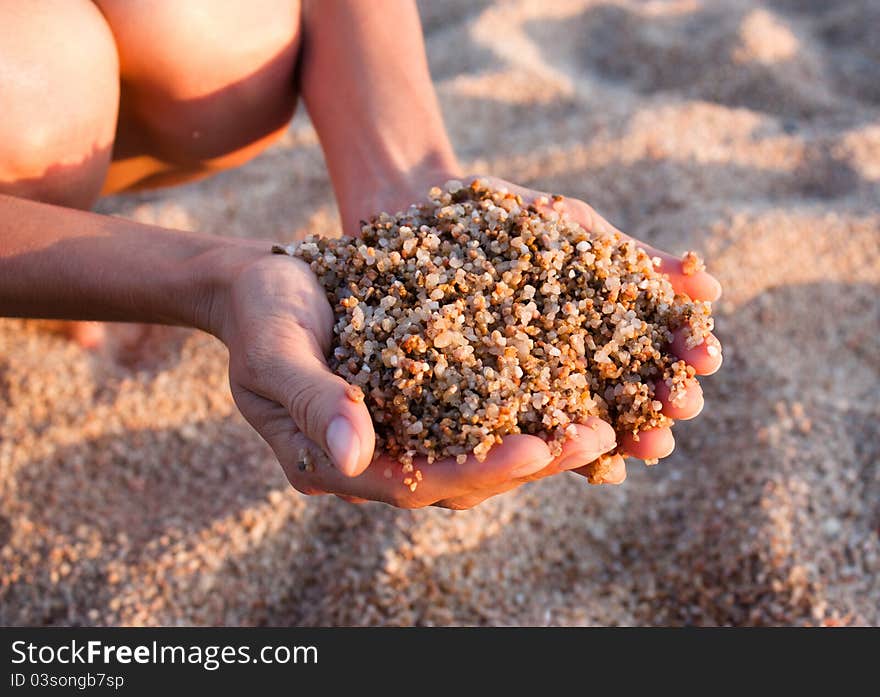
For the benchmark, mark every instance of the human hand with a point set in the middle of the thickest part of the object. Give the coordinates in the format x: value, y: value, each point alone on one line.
x: 274, y: 317
x: 705, y: 358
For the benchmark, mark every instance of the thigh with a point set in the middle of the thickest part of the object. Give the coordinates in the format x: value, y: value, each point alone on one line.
x: 59, y: 94
x: 205, y: 83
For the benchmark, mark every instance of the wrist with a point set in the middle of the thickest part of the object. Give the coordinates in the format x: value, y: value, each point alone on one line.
x: 392, y: 188
x: 209, y: 278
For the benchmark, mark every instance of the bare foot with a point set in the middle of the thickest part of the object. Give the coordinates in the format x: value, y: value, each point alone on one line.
x: 128, y: 344
x: 122, y: 342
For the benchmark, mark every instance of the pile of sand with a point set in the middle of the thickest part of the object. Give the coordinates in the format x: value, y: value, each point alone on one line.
x: 132, y: 492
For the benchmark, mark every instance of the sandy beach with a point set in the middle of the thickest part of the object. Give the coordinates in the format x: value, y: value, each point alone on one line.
x: 132, y: 492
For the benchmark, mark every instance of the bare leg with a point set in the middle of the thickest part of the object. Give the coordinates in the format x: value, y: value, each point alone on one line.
x: 59, y: 86
x: 205, y: 86
x: 60, y: 106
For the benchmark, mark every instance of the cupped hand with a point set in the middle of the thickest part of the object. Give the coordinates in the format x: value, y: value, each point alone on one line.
x: 277, y: 324
x: 706, y: 358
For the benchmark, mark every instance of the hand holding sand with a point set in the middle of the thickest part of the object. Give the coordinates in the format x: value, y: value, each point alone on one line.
x: 278, y: 326
x: 686, y: 276
x: 465, y: 412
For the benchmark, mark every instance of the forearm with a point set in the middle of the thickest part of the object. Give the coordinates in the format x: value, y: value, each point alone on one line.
x: 366, y: 85
x: 64, y: 264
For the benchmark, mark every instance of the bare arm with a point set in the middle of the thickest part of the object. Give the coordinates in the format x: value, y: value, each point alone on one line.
x: 366, y: 85
x: 61, y: 263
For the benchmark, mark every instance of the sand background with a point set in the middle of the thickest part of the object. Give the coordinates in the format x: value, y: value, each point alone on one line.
x: 132, y: 492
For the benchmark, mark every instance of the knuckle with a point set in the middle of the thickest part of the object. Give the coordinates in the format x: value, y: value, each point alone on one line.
x: 303, y: 404
x: 274, y: 431
x: 255, y: 359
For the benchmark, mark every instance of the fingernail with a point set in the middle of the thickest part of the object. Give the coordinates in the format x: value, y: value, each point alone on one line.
x: 344, y: 445
x: 527, y: 468
x: 607, y: 438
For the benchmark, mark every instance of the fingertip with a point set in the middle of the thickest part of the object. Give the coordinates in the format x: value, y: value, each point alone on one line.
x: 357, y: 414
x: 714, y: 356
x: 698, y: 286
x: 686, y: 407
x: 367, y: 438
x: 705, y: 358
x: 717, y: 366
x: 594, y: 437
x: 350, y: 439
x: 713, y: 288
x: 522, y: 455
x: 654, y: 444
x: 606, y: 438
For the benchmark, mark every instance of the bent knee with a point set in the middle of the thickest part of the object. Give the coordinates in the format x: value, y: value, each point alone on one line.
x: 59, y: 87
x: 204, y: 80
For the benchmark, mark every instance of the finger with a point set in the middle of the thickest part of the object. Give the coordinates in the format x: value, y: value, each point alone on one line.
x: 328, y: 410
x: 386, y: 480
x: 654, y: 444
x: 705, y: 358
x: 698, y: 286
x: 686, y: 406
x: 615, y: 471
x: 591, y: 439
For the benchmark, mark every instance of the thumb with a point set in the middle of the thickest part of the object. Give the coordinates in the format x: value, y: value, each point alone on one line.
x: 327, y: 409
